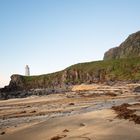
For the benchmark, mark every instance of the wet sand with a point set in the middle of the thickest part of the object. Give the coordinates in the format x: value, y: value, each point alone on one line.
x: 84, y: 114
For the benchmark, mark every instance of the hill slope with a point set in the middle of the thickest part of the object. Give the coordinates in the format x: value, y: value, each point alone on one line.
x: 120, y: 64
x: 91, y: 72
x: 129, y: 48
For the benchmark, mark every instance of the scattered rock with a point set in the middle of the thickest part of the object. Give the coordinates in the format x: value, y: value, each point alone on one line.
x: 65, y: 130
x: 110, y: 120
x: 2, y: 133
x: 34, y: 111
x: 58, y: 137
x: 3, y: 118
x: 71, y: 104
x: 137, y: 89
x: 112, y: 94
x: 23, y: 112
x: 82, y: 124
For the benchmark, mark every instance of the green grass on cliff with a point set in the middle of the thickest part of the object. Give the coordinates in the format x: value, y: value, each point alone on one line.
x: 122, y: 69
x: 119, y: 69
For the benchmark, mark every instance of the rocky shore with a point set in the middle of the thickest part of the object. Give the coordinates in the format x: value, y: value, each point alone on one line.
x: 23, y: 116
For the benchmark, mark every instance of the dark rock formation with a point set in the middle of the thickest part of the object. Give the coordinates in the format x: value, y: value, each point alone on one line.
x: 128, y: 49
x: 137, y: 89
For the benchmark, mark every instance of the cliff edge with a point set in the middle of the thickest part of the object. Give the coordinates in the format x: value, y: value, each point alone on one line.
x: 120, y: 64
x: 87, y: 73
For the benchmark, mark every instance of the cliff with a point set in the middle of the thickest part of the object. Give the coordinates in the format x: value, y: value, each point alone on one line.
x: 91, y: 72
x: 128, y: 49
x: 120, y: 64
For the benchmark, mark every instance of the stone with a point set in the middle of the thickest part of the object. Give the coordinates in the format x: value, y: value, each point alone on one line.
x: 128, y: 49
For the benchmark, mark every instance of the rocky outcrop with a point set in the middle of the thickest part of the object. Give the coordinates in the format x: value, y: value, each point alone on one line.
x: 109, y: 71
x: 128, y: 49
x: 137, y: 89
x: 92, y: 72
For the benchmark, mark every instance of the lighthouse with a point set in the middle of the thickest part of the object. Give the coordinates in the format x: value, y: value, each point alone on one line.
x: 27, y: 71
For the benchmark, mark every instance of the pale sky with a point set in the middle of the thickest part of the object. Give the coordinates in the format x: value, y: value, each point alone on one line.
x: 50, y: 35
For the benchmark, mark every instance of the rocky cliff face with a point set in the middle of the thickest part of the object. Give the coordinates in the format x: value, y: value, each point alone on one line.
x: 55, y: 81
x: 92, y: 72
x: 128, y: 49
x: 113, y: 69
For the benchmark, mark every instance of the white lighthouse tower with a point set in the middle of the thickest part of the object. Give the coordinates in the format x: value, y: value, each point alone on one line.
x: 27, y: 71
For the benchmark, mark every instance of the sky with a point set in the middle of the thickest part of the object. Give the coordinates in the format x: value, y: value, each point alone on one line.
x: 50, y: 35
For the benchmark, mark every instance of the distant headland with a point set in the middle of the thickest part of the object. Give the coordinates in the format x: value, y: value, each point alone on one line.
x: 121, y: 64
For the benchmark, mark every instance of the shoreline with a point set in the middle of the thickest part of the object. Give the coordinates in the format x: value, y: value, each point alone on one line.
x: 17, y: 115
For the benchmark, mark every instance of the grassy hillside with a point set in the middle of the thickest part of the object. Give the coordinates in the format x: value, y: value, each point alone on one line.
x: 121, y: 69
x: 98, y: 71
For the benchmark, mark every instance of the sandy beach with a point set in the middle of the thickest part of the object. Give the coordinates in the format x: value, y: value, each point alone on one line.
x: 84, y: 114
